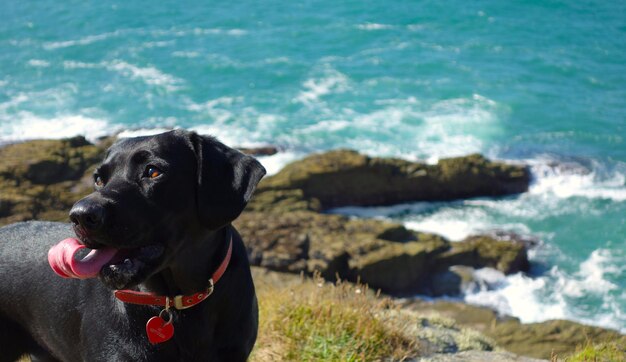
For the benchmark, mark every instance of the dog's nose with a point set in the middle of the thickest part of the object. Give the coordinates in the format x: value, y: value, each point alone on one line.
x: 87, y: 214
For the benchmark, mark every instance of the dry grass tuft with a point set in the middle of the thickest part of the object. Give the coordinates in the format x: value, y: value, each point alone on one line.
x: 314, y: 320
x: 604, y: 352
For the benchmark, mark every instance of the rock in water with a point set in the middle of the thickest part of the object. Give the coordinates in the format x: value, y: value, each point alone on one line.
x: 347, y: 178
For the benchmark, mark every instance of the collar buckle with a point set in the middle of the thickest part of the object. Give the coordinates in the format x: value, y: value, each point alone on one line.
x: 183, y: 302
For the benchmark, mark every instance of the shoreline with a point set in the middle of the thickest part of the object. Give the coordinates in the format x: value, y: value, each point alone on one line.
x: 73, y: 181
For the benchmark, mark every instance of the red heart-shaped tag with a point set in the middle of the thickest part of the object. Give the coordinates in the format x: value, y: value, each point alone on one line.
x: 158, y: 331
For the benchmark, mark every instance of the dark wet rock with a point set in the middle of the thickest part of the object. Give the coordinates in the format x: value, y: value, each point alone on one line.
x: 397, y: 233
x: 451, y: 282
x: 344, y: 177
x: 6, y: 207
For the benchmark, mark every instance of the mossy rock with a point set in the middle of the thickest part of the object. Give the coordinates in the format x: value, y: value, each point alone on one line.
x: 486, y: 251
x: 559, y: 337
x: 345, y: 177
x: 385, y: 255
x: 282, y: 201
x: 48, y: 161
x: 42, y: 179
x: 336, y: 246
x: 398, y: 268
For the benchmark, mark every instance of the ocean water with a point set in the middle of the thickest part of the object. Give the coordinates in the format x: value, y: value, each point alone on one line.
x: 533, y: 81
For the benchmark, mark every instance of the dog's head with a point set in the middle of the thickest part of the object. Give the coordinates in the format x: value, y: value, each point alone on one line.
x: 152, y: 192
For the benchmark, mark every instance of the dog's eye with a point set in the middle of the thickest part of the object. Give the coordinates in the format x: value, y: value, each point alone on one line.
x: 153, y: 172
x: 98, y: 181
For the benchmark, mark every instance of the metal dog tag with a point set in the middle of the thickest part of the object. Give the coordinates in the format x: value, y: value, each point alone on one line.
x: 158, y: 330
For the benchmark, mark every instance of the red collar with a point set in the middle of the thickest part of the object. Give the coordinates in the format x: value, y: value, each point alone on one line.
x: 179, y: 301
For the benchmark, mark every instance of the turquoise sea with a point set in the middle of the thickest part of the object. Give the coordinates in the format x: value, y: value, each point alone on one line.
x: 537, y: 81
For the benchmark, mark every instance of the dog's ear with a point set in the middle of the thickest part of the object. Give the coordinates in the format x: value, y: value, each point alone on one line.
x: 226, y: 180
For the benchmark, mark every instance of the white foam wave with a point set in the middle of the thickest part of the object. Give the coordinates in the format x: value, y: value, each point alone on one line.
x: 149, y: 75
x: 428, y: 130
x: 374, y: 26
x: 215, y: 31
x: 14, y: 101
x: 71, y: 64
x: 142, y: 132
x: 274, y: 163
x: 416, y: 27
x: 591, y: 278
x: 158, y: 44
x: 576, y: 182
x: 81, y: 41
x: 39, y: 63
x: 455, y: 221
x: 28, y: 126
x: 555, y: 295
x: 327, y: 126
x: 516, y: 295
x: 185, y: 54
x: 181, y: 32
x: 458, y: 126
x: 454, y: 230
x: 332, y: 81
x: 219, y: 109
x: 254, y: 130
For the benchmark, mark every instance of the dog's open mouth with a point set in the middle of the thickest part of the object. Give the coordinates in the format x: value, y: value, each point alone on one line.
x: 70, y: 259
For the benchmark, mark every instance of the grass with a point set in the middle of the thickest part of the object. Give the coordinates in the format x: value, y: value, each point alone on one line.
x: 304, y: 319
x: 313, y: 320
x: 604, y: 352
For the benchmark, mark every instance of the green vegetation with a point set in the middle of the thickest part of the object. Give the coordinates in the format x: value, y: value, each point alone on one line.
x: 604, y: 352
x: 319, y: 321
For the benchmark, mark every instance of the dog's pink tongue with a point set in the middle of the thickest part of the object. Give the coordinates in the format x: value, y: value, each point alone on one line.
x: 62, y: 261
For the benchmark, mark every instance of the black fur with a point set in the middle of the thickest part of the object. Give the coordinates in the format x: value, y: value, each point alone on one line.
x: 177, y: 226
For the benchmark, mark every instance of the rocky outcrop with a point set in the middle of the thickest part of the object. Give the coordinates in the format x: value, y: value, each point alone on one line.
x: 485, y: 251
x: 344, y: 177
x: 384, y: 255
x: 42, y: 179
x: 284, y: 230
x: 476, y: 356
x: 539, y: 340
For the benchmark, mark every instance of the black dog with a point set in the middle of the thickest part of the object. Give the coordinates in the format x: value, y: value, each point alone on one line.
x: 160, y: 223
